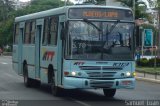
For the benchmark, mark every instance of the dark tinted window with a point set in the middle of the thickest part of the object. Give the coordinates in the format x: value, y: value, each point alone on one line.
x: 16, y: 34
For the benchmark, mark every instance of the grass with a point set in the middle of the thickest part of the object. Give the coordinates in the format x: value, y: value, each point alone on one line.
x: 150, y: 70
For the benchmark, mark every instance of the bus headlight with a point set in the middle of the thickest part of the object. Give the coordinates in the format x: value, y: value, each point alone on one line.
x: 73, y: 73
x: 128, y: 74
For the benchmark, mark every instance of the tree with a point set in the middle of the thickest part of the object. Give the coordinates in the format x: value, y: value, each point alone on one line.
x: 39, y: 5
x: 6, y: 6
x: 158, y: 8
x: 140, y: 8
x: 157, y: 5
x: 7, y: 15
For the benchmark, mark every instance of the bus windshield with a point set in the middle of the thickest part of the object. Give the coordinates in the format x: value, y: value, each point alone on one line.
x: 113, y: 42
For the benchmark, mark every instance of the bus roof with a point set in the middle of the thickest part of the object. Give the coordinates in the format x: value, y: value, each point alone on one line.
x: 61, y: 10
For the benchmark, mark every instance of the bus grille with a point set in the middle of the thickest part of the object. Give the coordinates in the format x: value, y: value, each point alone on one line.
x: 100, y: 68
x: 101, y: 74
x: 101, y: 84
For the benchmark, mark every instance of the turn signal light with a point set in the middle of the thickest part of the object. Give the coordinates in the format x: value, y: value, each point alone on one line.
x: 66, y: 73
x: 134, y: 74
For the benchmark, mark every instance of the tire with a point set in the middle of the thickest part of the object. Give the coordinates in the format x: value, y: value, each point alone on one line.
x: 27, y: 80
x: 36, y: 83
x: 50, y: 75
x: 56, y: 91
x: 109, y: 92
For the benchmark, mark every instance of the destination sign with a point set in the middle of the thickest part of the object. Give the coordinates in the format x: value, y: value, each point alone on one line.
x: 100, y: 13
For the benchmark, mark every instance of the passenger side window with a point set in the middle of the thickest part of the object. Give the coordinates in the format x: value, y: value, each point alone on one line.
x: 29, y: 37
x: 27, y: 33
x: 53, y: 31
x: 33, y: 29
x: 50, y: 31
x: 16, y: 34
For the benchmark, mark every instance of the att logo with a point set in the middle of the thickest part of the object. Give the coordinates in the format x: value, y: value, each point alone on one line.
x: 78, y: 63
x: 120, y: 64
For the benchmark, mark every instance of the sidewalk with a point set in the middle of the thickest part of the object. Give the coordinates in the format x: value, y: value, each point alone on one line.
x: 7, y: 56
x: 7, y: 53
x: 148, y: 77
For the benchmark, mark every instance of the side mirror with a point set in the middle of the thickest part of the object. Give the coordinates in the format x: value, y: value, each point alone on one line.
x: 63, y: 31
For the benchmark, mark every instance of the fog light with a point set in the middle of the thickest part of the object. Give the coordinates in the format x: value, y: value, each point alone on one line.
x: 79, y: 74
x: 126, y: 82
x: 73, y: 73
x: 134, y: 74
x: 128, y: 74
x: 122, y: 74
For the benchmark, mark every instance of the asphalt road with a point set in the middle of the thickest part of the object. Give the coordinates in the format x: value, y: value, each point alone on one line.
x: 13, y: 89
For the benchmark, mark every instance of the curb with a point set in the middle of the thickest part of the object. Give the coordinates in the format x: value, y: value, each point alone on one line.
x: 147, y: 79
x: 7, y: 56
x: 7, y: 53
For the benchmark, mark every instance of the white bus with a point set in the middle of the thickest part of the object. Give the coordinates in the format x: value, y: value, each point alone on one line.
x: 80, y: 46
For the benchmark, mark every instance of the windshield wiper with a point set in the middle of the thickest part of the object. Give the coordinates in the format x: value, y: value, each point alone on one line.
x: 112, y: 28
x: 89, y: 22
x: 109, y: 32
x: 99, y: 30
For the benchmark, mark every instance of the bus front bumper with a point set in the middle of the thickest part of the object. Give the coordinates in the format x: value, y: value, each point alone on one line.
x: 74, y: 83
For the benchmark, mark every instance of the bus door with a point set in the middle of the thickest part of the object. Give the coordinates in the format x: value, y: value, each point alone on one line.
x: 60, y: 51
x: 20, y: 47
x: 39, y: 32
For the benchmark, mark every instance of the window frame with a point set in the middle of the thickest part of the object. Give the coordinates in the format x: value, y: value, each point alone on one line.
x: 47, y: 36
x: 29, y: 33
x: 16, y: 34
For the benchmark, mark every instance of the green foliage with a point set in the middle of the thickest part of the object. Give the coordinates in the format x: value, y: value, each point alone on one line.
x: 38, y: 5
x: 149, y: 62
x: 7, y: 50
x: 7, y: 15
x: 143, y: 62
x: 139, y: 10
x: 129, y: 3
x: 6, y: 6
x: 6, y: 32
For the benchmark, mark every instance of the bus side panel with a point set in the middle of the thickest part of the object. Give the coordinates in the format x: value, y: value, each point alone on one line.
x: 48, y: 52
x: 48, y: 57
x: 29, y: 57
x: 15, y: 58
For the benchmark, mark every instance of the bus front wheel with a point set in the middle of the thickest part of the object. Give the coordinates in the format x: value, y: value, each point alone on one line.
x: 56, y: 91
x: 109, y: 92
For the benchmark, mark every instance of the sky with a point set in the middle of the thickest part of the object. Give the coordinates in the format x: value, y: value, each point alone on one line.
x: 146, y: 3
x: 140, y: 0
x: 77, y: 0
x: 24, y: 0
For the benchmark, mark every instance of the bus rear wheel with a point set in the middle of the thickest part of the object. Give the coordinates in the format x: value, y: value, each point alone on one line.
x: 27, y: 80
x: 109, y: 92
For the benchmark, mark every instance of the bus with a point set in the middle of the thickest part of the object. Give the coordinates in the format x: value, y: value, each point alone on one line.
x: 76, y: 47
